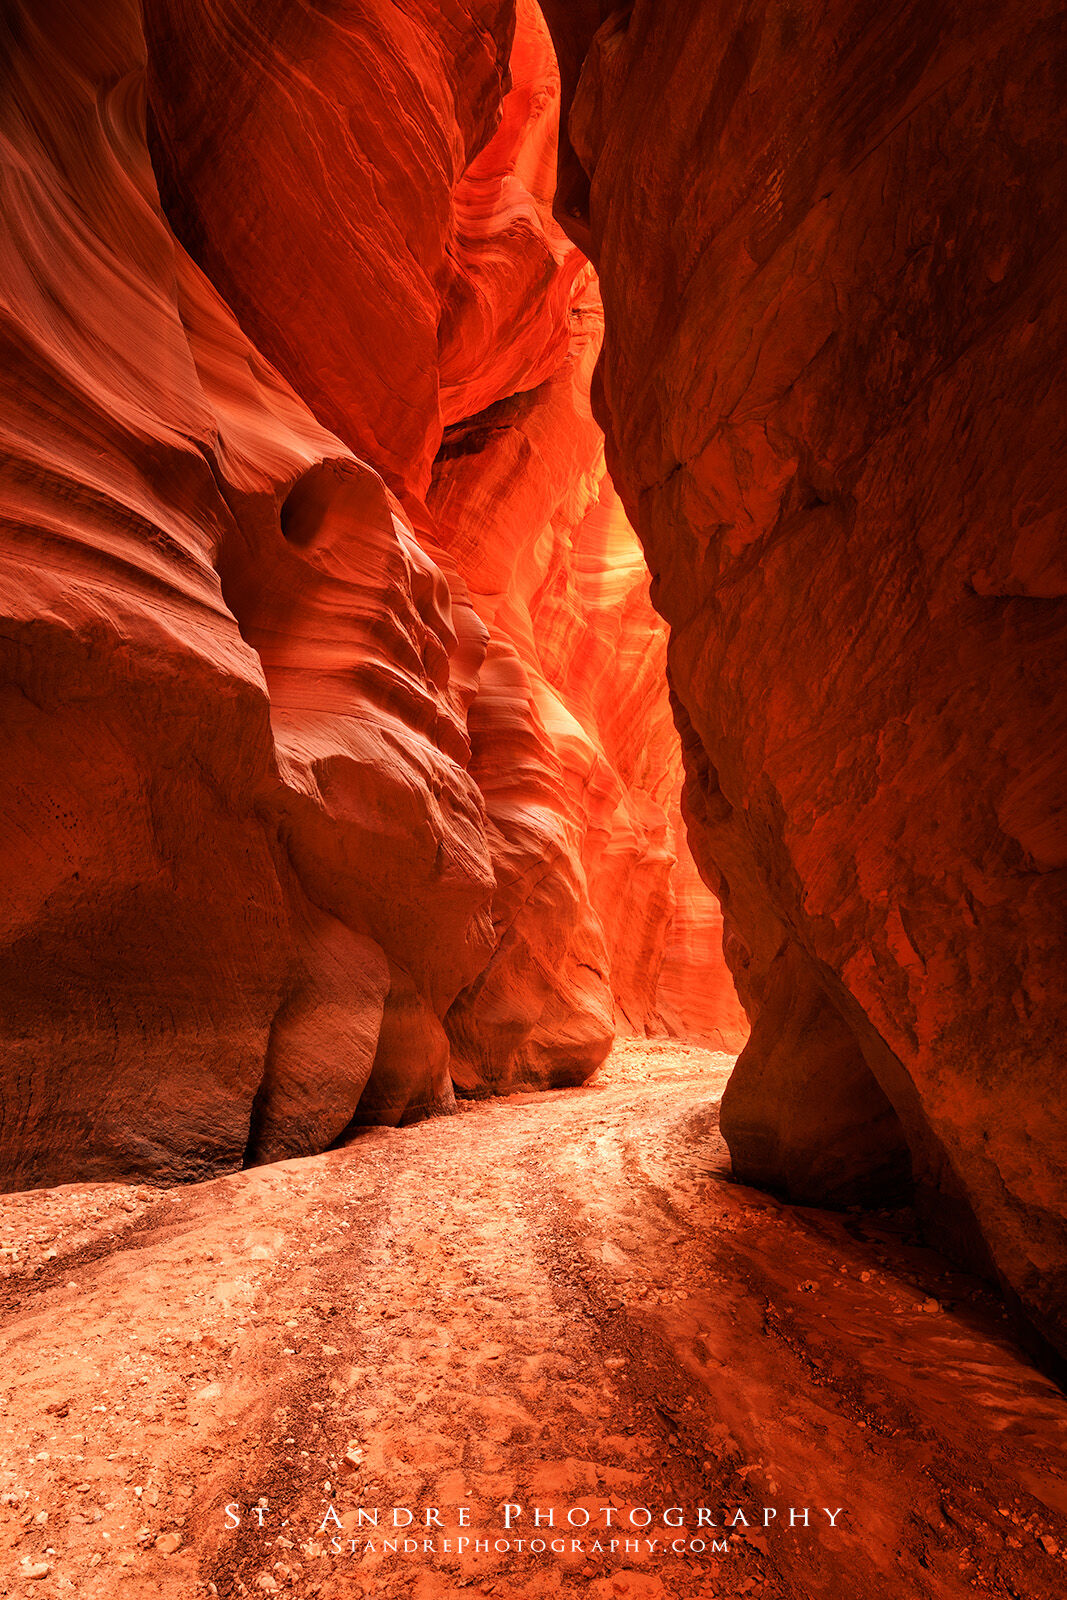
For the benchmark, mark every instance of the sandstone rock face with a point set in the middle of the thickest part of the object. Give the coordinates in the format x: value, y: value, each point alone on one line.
x: 144, y: 921
x: 299, y: 825
x: 511, y: 305
x: 696, y: 997
x: 244, y: 829
x: 590, y: 773
x: 367, y: 191
x: 833, y: 392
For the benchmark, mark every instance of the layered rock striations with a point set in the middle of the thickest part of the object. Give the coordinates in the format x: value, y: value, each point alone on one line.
x: 521, y: 498
x: 242, y: 822
x: 368, y: 187
x: 829, y: 247
x: 296, y: 830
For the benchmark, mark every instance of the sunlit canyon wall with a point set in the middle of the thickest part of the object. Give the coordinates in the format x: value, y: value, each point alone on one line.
x: 831, y: 247
x: 338, y: 763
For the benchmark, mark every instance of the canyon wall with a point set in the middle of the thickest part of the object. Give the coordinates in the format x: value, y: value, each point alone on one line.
x: 302, y: 822
x: 830, y: 245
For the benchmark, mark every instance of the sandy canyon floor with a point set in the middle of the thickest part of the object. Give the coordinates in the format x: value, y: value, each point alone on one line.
x: 559, y: 1303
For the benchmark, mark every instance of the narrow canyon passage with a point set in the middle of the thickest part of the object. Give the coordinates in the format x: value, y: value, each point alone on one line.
x: 532, y: 813
x: 562, y: 1303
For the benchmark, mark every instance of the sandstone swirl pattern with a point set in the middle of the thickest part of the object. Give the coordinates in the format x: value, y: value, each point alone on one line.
x: 273, y: 784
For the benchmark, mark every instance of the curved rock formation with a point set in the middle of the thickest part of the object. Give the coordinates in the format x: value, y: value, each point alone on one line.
x: 298, y: 823
x: 145, y: 945
x: 508, y: 294
x: 522, y: 501
x: 228, y: 679
x: 352, y: 181
x: 833, y: 394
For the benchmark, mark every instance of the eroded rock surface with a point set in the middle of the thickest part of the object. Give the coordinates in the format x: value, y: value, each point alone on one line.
x: 833, y: 392
x: 368, y: 186
x: 572, y: 741
x: 283, y: 793
x: 239, y: 765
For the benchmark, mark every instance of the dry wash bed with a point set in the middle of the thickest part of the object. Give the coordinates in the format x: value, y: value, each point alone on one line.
x: 555, y: 1302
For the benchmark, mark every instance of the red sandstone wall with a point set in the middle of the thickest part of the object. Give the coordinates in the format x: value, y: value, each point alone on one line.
x: 277, y: 796
x: 521, y: 500
x: 353, y: 181
x: 243, y: 834
x: 830, y: 243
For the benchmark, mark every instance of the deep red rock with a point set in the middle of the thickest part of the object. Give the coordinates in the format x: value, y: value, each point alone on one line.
x: 352, y: 180
x: 696, y: 996
x: 236, y: 805
x: 275, y: 812
x: 541, y: 1012
x: 829, y: 245
x: 507, y: 294
x: 571, y: 734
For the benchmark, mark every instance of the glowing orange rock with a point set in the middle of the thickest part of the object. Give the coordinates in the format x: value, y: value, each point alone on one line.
x: 315, y: 792
x: 572, y: 729
x: 237, y: 807
x: 354, y: 186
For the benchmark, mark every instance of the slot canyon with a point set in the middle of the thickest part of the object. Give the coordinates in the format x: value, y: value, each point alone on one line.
x: 534, y: 832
